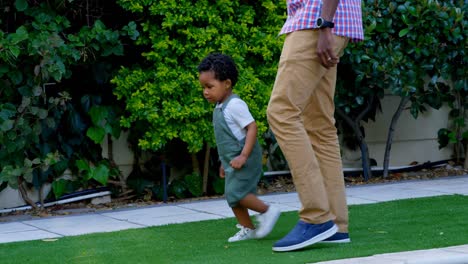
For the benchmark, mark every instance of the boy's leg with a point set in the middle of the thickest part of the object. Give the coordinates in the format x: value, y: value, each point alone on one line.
x: 242, y: 216
x: 268, y: 214
x: 247, y: 229
x: 251, y: 202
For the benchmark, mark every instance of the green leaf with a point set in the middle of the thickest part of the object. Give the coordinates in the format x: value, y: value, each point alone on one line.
x: 100, y: 174
x: 37, y: 90
x: 60, y: 187
x: 116, y: 130
x: 442, y: 137
x: 82, y: 165
x: 13, y: 183
x: 3, y: 69
x: 27, y: 162
x: 51, y: 122
x: 15, y: 51
x: 465, y: 135
x: 98, y: 114
x: 21, y: 5
x: 178, y: 188
x: 218, y: 185
x: 6, y: 114
x: 75, y: 122
x: 20, y: 35
x: 108, y: 128
x: 11, y: 135
x: 414, y: 110
x: 7, y: 125
x: 452, y: 137
x: 194, y: 184
x: 96, y: 134
x: 16, y: 77
x: 42, y: 114
x: 34, y: 110
x: 28, y: 175
x: 403, y: 32
x: 365, y: 57
x: 131, y: 30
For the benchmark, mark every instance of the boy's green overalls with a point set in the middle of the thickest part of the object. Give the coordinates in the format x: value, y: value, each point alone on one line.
x: 238, y: 183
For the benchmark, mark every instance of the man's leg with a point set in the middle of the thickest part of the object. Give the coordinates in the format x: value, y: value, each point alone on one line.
x: 299, y: 74
x: 319, y: 121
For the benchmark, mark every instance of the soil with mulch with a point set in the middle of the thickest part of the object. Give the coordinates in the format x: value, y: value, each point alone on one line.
x: 279, y: 184
x: 285, y: 184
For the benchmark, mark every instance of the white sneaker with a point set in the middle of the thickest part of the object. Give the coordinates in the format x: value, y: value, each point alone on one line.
x: 267, y: 221
x: 244, y: 233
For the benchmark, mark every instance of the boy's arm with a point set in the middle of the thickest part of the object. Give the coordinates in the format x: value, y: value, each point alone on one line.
x: 250, y: 139
x: 222, y: 173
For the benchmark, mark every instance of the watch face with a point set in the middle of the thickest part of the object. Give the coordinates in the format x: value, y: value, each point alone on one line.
x: 319, y: 22
x: 322, y: 23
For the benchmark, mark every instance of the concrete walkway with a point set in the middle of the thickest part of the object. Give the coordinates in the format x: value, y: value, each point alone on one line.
x: 108, y: 221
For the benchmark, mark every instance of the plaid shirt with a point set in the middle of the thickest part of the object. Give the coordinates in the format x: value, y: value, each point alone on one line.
x: 302, y: 14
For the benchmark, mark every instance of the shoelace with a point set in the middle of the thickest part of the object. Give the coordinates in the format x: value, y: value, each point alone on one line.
x: 242, y: 232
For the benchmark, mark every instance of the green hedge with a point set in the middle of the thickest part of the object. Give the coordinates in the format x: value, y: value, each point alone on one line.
x: 164, y: 93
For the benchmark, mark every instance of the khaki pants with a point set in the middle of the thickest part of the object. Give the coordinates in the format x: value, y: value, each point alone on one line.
x: 301, y: 115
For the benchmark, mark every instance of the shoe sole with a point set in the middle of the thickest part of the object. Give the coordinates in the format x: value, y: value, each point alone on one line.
x: 272, y: 226
x: 234, y: 241
x: 330, y: 232
x: 341, y: 241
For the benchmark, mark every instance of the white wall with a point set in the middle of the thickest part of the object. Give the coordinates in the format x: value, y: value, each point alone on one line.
x: 123, y: 155
x: 414, y: 139
x: 10, y: 198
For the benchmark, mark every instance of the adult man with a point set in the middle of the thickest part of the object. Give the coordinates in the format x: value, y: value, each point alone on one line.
x: 301, y: 115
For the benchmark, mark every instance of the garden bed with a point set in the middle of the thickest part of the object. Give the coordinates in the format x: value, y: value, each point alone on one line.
x: 276, y: 184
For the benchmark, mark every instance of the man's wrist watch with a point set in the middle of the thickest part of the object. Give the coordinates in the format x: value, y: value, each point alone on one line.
x: 322, y: 23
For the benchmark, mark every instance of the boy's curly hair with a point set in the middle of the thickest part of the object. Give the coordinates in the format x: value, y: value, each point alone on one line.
x: 222, y: 65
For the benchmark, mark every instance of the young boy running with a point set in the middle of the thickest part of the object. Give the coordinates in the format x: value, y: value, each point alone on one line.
x: 238, y: 148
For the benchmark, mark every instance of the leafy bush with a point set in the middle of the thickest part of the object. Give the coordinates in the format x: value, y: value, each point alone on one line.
x: 164, y: 93
x: 163, y: 97
x: 43, y: 119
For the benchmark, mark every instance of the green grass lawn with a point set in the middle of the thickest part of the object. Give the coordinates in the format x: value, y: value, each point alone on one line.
x: 376, y: 228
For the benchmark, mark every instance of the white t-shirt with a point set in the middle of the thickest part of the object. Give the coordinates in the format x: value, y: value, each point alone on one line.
x: 237, y: 116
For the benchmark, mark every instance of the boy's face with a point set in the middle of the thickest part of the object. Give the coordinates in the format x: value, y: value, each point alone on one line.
x: 215, y: 91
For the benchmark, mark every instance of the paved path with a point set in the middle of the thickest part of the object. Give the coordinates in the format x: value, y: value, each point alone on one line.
x: 107, y: 221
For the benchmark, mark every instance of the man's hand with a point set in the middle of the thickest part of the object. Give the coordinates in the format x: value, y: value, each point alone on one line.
x: 325, y: 51
x: 238, y: 162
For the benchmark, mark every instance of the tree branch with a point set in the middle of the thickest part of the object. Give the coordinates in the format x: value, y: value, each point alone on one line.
x: 24, y: 194
x: 366, y: 110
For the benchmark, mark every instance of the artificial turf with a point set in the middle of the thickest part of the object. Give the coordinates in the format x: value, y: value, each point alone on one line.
x: 386, y: 227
